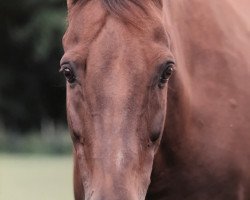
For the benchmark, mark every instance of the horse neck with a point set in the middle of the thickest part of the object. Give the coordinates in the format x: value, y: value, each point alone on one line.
x: 202, y: 39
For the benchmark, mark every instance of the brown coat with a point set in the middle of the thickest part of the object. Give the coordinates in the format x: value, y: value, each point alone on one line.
x: 138, y: 133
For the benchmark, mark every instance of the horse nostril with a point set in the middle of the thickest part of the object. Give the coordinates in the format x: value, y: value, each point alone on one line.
x: 154, y: 136
x: 77, y: 138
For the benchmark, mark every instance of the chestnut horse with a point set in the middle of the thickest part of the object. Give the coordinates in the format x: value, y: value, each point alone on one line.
x: 158, y: 98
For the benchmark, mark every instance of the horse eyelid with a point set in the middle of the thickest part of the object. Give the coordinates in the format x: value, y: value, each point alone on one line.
x: 69, y: 65
x: 162, y: 67
x: 63, y: 66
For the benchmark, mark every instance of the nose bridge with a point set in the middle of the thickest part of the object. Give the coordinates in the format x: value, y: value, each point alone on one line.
x: 114, y: 178
x: 115, y: 126
x: 116, y: 157
x: 116, y: 148
x: 114, y: 184
x: 116, y: 161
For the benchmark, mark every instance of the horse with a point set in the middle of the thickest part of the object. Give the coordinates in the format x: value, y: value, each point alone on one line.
x: 158, y: 98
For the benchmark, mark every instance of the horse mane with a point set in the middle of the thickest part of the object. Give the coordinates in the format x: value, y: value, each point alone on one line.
x: 130, y: 11
x: 123, y: 8
x: 118, y: 7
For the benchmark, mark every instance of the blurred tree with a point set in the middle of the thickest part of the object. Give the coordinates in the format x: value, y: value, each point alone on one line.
x: 31, y: 90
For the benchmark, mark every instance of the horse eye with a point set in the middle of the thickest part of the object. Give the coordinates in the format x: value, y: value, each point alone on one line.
x: 168, y: 71
x: 69, y: 74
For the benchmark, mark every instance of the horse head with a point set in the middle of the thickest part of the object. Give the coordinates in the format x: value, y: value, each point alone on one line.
x: 117, y: 64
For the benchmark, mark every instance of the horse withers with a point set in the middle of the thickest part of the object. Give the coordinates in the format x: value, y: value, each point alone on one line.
x: 158, y: 99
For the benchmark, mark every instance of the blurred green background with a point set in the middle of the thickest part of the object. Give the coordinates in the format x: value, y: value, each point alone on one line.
x: 35, y: 147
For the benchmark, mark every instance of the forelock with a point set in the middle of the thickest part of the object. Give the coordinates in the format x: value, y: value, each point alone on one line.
x: 134, y: 12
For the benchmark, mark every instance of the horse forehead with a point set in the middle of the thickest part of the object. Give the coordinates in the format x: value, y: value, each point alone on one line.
x: 110, y: 38
x: 84, y: 24
x: 86, y: 21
